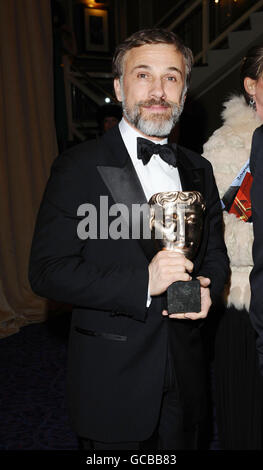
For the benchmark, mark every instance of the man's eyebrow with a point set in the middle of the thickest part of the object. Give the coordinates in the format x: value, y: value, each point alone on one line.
x: 175, y: 69
x: 141, y: 66
x: 148, y: 67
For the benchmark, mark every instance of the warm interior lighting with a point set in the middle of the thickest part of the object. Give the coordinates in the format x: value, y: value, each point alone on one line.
x: 90, y: 3
x: 93, y: 3
x: 217, y: 1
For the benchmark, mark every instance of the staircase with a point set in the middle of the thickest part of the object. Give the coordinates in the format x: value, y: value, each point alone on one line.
x: 87, y: 88
x: 221, y: 62
x: 89, y: 82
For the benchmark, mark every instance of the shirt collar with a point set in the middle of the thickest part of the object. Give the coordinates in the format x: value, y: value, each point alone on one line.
x: 129, y: 135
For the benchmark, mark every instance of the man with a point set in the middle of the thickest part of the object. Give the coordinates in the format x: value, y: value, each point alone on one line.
x: 134, y: 370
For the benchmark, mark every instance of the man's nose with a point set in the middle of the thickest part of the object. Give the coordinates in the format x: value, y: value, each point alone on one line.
x: 157, y: 89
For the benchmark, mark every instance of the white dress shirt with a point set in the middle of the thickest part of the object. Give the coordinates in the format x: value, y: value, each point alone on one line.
x: 156, y: 176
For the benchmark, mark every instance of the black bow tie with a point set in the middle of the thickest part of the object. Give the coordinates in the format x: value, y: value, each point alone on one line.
x: 146, y: 148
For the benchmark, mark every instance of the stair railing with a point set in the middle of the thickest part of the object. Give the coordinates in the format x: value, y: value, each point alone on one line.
x: 228, y: 30
x: 206, y: 45
x: 88, y: 86
x: 94, y: 91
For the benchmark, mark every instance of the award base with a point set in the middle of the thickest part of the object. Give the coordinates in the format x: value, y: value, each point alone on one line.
x: 184, y: 297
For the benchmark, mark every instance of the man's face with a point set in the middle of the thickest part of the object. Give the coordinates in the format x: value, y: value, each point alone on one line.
x: 152, y: 88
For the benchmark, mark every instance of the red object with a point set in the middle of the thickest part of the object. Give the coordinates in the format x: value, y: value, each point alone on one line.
x: 241, y: 206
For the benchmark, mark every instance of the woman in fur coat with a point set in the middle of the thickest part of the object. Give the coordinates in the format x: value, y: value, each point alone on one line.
x: 239, y: 388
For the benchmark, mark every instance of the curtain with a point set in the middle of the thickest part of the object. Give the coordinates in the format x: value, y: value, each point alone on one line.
x: 27, y: 149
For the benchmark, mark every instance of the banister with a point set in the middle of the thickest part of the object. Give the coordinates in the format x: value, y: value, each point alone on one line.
x: 184, y: 15
x: 231, y: 28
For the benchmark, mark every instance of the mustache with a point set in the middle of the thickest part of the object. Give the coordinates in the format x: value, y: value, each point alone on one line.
x: 153, y: 102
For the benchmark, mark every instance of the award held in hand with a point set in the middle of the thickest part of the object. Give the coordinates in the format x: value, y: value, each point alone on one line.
x: 176, y: 223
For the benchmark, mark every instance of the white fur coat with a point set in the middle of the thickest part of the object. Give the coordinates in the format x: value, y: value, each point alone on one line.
x: 228, y: 149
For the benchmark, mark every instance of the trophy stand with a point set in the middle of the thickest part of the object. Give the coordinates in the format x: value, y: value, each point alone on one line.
x: 176, y: 220
x: 184, y: 296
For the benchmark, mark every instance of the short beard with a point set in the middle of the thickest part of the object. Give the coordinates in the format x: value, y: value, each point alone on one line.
x: 157, y: 125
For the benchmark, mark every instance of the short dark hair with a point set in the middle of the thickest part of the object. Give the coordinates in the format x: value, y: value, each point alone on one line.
x: 109, y: 110
x: 252, y: 67
x: 151, y: 36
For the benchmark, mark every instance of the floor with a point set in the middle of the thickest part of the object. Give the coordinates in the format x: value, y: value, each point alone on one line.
x: 33, y: 409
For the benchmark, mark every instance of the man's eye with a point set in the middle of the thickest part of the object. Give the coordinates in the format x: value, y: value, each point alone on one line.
x: 171, y: 79
x: 142, y: 75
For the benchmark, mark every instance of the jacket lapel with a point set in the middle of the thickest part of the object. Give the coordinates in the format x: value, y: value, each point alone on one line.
x: 117, y: 171
x: 192, y: 178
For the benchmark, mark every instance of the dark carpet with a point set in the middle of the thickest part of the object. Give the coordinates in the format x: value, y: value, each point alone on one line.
x: 33, y: 407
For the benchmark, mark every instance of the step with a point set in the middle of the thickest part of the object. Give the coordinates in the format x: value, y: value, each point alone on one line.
x: 256, y: 21
x: 238, y: 39
x: 217, y: 57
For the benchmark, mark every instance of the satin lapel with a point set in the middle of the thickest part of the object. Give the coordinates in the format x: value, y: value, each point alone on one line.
x: 125, y: 188
x: 192, y: 178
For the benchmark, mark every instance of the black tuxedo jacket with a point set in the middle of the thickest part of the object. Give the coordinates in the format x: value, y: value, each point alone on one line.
x: 256, y: 277
x: 118, y: 347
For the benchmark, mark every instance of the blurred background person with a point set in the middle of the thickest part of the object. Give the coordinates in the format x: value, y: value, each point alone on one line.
x: 108, y: 116
x: 239, y: 394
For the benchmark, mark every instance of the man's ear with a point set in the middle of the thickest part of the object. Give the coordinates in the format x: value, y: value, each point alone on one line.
x: 250, y: 85
x: 117, y: 88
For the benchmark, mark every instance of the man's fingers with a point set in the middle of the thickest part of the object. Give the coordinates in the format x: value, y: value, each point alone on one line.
x: 173, y: 258
x: 167, y: 267
x: 179, y: 316
x: 195, y: 316
x: 204, y: 281
x: 186, y: 316
x: 205, y: 306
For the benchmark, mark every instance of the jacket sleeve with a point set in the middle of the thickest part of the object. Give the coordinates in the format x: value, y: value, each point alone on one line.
x: 59, y: 270
x: 256, y: 277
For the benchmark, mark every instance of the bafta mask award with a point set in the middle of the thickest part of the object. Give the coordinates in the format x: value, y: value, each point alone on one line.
x: 176, y: 223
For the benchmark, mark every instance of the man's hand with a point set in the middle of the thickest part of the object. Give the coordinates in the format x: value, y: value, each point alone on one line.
x: 167, y: 267
x: 205, y: 303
